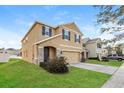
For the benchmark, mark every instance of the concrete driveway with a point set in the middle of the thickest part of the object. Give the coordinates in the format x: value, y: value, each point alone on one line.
x: 95, y: 67
x: 117, y: 80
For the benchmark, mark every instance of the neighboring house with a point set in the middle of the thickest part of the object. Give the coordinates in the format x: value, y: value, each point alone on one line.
x: 123, y: 49
x: 43, y: 42
x: 94, y: 48
x: 13, y: 51
x: 4, y: 56
x: 85, y: 52
x: 118, y: 49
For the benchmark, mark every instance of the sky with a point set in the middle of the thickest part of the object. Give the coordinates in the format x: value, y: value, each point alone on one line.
x: 15, y: 21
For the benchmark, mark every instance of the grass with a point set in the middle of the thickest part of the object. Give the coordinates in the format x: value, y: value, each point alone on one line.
x: 2, y: 63
x: 20, y: 74
x: 113, y: 63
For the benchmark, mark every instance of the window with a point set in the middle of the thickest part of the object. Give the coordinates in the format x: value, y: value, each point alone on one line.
x: 114, y: 55
x: 77, y: 38
x: 99, y: 45
x: 47, y: 31
x: 66, y: 34
x: 84, y: 45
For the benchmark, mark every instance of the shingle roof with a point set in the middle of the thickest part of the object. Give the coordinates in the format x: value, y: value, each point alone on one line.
x: 92, y: 40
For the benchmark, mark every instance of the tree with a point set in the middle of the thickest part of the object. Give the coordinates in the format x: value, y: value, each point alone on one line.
x: 119, y: 50
x: 111, y: 20
x: 1, y: 48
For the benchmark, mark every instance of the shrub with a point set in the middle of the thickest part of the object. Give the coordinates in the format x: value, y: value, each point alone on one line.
x: 94, y: 58
x: 43, y: 65
x: 58, y: 65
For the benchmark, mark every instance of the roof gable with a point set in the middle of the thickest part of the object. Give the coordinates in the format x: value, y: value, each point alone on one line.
x: 93, y: 40
x: 72, y: 26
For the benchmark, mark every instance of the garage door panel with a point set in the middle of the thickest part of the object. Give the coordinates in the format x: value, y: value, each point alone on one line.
x: 72, y: 57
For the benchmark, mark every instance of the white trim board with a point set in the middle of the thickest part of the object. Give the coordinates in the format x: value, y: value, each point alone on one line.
x: 69, y: 46
x: 68, y: 50
x: 47, y: 39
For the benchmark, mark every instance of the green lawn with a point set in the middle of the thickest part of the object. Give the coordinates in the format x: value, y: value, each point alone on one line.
x: 20, y: 74
x: 114, y: 63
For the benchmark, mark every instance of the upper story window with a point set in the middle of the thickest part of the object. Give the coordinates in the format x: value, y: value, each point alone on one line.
x: 47, y: 31
x: 77, y: 38
x: 66, y: 34
x: 99, y: 45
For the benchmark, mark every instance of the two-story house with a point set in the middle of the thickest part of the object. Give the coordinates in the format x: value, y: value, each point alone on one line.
x: 43, y: 42
x: 93, y: 48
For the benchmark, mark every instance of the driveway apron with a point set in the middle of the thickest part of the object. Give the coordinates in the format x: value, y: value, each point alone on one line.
x: 95, y: 67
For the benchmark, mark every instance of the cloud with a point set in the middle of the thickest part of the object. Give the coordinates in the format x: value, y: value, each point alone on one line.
x: 89, y: 30
x: 67, y: 17
x: 49, y: 7
x: 78, y: 17
x: 9, y: 39
x: 61, y: 15
x: 23, y: 22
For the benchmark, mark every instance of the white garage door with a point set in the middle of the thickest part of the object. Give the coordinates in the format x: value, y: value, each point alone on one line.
x: 72, y: 57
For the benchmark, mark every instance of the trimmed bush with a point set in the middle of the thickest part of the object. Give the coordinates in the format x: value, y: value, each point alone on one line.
x: 93, y: 58
x: 58, y: 65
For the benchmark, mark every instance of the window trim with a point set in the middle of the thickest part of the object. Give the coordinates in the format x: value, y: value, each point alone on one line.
x: 46, y: 29
x: 64, y: 36
x: 77, y: 38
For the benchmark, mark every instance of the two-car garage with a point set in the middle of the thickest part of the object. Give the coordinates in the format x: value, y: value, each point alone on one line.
x: 72, y: 56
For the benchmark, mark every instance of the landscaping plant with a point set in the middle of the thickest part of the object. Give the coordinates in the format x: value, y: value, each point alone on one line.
x: 58, y: 65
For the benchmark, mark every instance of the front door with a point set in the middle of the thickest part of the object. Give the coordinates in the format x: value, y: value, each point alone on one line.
x: 46, y: 53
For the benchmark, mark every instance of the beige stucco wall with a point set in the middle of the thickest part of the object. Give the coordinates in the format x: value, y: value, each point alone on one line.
x: 71, y: 53
x: 52, y: 53
x: 62, y: 44
x: 30, y: 50
x: 28, y: 46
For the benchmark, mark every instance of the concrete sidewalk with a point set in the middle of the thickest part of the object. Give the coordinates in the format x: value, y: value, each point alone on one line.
x: 95, y: 67
x: 117, y: 80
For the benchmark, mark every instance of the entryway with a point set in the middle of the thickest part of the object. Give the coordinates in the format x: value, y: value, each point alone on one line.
x: 49, y: 53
